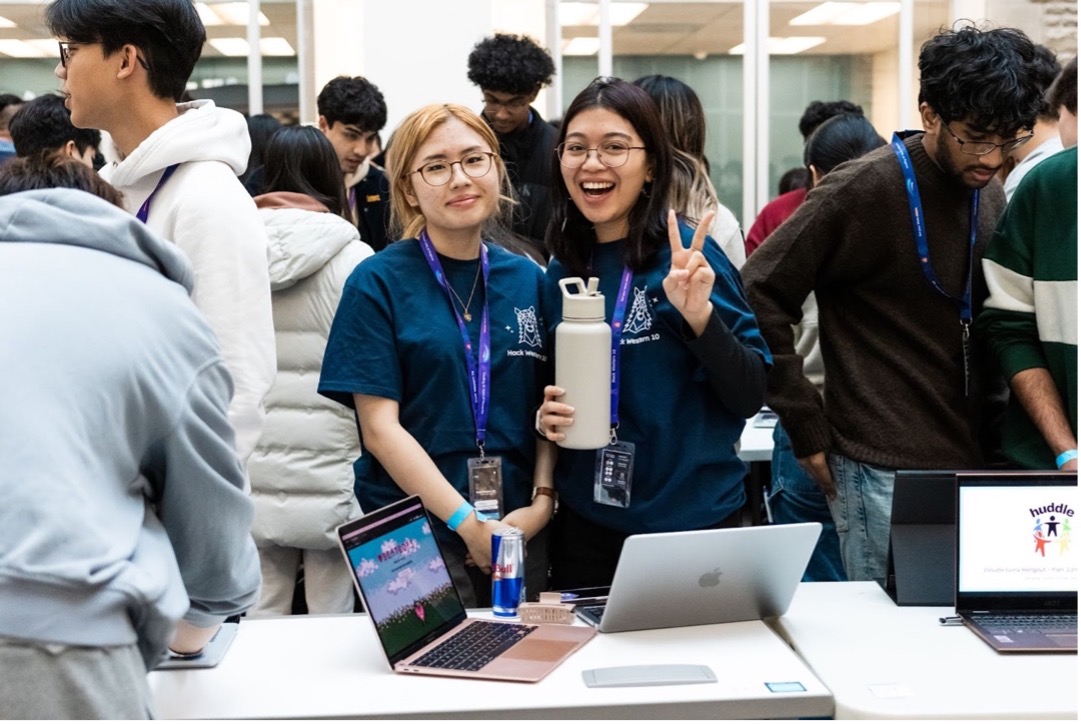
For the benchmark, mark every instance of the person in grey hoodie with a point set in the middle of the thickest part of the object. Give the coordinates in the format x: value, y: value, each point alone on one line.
x: 122, y: 509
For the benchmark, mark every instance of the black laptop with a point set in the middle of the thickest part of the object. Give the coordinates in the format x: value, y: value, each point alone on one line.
x: 1016, y: 564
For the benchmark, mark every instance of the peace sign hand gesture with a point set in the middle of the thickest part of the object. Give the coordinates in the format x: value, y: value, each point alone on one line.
x: 690, y: 280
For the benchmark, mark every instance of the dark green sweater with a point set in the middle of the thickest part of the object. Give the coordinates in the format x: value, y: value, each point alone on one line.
x: 891, y: 344
x: 1030, y: 319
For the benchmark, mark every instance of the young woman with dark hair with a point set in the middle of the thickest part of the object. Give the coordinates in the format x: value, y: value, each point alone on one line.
x: 689, y: 362
x: 301, y: 470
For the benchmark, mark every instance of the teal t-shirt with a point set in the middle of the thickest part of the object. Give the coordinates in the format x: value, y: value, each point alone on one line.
x: 687, y: 475
x: 395, y: 336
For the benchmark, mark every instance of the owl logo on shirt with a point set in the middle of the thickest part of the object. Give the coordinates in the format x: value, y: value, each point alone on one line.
x: 638, y: 318
x: 528, y: 328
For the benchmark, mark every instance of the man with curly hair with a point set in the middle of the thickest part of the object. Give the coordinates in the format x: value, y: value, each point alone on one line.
x: 352, y: 112
x: 510, y: 70
x: 890, y: 244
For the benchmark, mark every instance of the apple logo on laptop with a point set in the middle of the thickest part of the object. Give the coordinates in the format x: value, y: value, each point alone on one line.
x: 711, y: 579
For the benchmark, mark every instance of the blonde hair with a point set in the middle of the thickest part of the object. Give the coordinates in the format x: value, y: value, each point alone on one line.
x: 406, y: 221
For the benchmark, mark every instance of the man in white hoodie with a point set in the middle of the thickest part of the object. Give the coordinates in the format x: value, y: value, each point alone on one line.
x: 125, y: 64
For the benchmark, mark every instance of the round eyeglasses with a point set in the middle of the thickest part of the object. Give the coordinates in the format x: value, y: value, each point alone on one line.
x: 573, y: 154
x: 982, y: 148
x: 439, y: 173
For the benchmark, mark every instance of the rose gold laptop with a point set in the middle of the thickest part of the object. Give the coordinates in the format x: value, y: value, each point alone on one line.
x: 419, y: 618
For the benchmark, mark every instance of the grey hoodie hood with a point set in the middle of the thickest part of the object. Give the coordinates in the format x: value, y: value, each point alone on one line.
x: 202, y: 132
x: 78, y: 218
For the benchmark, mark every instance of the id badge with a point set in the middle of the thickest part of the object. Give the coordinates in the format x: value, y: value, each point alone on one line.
x: 486, y: 485
x: 612, y: 477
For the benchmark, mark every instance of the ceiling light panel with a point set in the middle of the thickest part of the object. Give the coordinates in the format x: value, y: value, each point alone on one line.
x: 575, y: 13
x: 847, y: 13
x: 784, y: 46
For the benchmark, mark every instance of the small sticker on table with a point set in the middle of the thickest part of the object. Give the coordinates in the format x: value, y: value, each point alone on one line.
x: 785, y: 687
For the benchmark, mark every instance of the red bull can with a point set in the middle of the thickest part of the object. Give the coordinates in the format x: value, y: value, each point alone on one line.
x: 508, y: 571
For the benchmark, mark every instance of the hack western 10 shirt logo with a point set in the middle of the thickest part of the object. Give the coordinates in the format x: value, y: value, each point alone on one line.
x: 1051, y: 529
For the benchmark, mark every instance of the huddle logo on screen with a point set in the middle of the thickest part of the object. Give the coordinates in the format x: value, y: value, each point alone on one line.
x: 1051, y: 528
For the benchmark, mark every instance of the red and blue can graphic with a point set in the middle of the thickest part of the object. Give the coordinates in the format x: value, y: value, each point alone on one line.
x: 508, y: 571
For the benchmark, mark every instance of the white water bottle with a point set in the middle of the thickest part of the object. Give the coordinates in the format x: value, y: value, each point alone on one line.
x: 584, y: 364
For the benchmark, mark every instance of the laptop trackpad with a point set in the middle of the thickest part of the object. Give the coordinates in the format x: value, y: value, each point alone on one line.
x: 538, y: 648
x: 1068, y: 641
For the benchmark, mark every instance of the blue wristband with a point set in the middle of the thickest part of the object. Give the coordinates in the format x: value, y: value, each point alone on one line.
x: 1066, y: 457
x: 459, y: 515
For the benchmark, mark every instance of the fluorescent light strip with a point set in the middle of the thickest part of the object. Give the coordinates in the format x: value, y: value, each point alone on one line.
x: 217, y: 14
x: 784, y: 46
x: 581, y: 46
x: 238, y: 47
x: 847, y: 13
x: 574, y: 13
x: 22, y: 49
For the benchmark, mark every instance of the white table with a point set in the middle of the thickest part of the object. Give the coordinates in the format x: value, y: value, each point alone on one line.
x: 888, y: 662
x: 331, y: 666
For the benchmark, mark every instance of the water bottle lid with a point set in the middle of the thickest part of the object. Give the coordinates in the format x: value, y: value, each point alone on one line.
x: 584, y: 305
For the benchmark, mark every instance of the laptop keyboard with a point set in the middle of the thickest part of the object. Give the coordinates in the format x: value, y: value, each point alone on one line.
x: 1056, y: 624
x: 472, y: 648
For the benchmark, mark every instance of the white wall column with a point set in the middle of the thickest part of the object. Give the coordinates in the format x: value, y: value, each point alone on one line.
x: 255, y: 60
x: 755, y: 108
x: 306, y: 87
x: 553, y: 40
x: 604, y: 35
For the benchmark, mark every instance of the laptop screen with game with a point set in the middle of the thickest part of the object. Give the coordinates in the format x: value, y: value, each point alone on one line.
x: 403, y: 579
x: 1014, y: 541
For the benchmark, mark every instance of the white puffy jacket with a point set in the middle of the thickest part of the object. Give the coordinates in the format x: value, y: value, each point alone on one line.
x: 301, y: 470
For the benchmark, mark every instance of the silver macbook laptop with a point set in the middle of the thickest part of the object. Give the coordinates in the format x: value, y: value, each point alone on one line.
x: 419, y: 618
x: 704, y: 576
x: 1016, y: 582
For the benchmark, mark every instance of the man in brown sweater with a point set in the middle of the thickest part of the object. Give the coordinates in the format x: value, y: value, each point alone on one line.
x: 905, y: 391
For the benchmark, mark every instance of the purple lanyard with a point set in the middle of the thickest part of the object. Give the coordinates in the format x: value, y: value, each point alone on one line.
x: 618, y: 314
x: 144, y: 210
x: 353, y: 201
x: 964, y: 302
x: 480, y: 375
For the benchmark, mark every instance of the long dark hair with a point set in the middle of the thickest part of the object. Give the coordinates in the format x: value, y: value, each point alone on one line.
x: 839, y: 139
x: 302, y: 159
x: 570, y: 235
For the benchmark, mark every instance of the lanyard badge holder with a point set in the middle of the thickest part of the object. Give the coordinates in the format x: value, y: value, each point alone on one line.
x: 614, y: 467
x: 485, y: 472
x: 919, y: 230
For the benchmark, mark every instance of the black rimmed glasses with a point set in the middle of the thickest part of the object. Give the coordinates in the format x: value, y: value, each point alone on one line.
x: 982, y: 148
x: 517, y: 103
x: 573, y: 154
x: 65, y: 53
x: 439, y: 173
